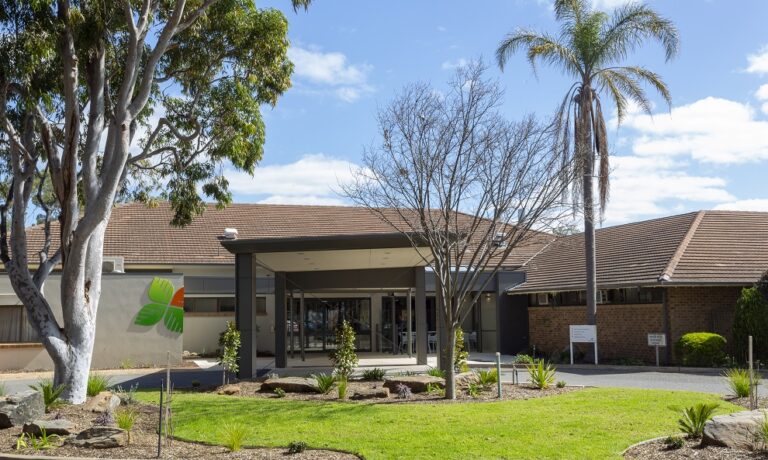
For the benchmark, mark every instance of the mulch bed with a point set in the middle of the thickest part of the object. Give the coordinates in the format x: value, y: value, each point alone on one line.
x: 656, y: 450
x: 509, y: 393
x: 144, y: 442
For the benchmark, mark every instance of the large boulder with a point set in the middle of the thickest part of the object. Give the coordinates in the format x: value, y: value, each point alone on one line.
x: 417, y: 383
x: 737, y: 430
x: 230, y: 390
x: 106, y: 401
x: 370, y: 393
x: 465, y: 378
x: 100, y: 437
x: 60, y: 427
x: 20, y: 408
x: 291, y: 384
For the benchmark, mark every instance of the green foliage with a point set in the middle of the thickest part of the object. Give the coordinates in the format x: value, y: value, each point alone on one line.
x: 232, y: 435
x: 435, y: 389
x: 693, y: 418
x: 374, y: 375
x: 702, y: 349
x: 279, y: 392
x: 43, y: 442
x: 127, y: 363
x: 674, y: 442
x: 561, y: 384
x: 229, y: 342
x: 403, y: 391
x: 738, y: 381
x: 126, y: 417
x: 523, y: 359
x: 751, y: 318
x: 542, y: 374
x: 342, y: 387
x: 488, y: 377
x: 51, y: 393
x: 324, y: 382
x: 761, y: 433
x: 435, y: 372
x: 473, y: 390
x: 127, y: 397
x: 97, y: 383
x: 344, y: 358
x: 460, y: 353
x: 296, y: 447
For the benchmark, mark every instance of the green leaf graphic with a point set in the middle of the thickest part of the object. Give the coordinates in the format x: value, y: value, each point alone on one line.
x: 174, y: 319
x: 160, y: 291
x: 150, y: 314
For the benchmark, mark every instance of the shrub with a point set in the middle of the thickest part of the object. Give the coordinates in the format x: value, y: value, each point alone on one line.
x: 232, y: 436
x: 229, y: 343
x: 751, y: 318
x: 435, y: 389
x: 106, y: 418
x: 127, y: 363
x: 561, y: 384
x: 374, y: 375
x: 128, y: 397
x: 674, y: 442
x: 702, y: 349
x: 195, y: 384
x: 279, y: 392
x: 460, y: 353
x: 435, y: 372
x: 761, y: 433
x: 97, y: 383
x: 297, y: 447
x: 522, y: 359
x: 473, y: 390
x: 404, y: 391
x: 51, y: 394
x: 125, y: 419
x: 486, y: 378
x: 738, y: 381
x: 693, y: 418
x: 542, y: 374
x: 342, y: 387
x: 44, y: 441
x: 344, y: 358
x: 324, y: 382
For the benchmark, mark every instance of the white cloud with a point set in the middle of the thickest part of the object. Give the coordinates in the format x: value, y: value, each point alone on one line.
x: 331, y: 71
x: 450, y: 65
x: 762, y: 95
x: 711, y: 130
x: 759, y: 204
x: 758, y: 62
x: 313, y: 179
x: 643, y: 187
x: 608, y: 4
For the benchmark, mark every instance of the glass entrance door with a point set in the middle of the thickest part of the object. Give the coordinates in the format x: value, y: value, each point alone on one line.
x: 394, y: 324
x: 323, y: 316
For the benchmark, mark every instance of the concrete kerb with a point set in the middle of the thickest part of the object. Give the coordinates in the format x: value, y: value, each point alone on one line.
x: 641, y: 443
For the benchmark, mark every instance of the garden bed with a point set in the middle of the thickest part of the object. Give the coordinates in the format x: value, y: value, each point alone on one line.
x: 509, y: 393
x: 143, y: 441
x: 657, y: 450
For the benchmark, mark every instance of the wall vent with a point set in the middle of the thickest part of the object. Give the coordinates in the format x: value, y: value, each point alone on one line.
x: 114, y: 264
x: 230, y: 234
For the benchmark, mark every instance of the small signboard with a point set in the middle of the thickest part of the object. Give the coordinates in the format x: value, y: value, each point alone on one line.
x: 583, y: 333
x: 656, y: 340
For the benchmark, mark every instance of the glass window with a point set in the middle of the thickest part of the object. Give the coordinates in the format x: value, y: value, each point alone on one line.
x: 209, y: 304
x: 260, y: 304
x: 14, y: 327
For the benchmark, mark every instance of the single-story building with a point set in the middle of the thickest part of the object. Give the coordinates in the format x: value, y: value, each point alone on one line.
x: 671, y: 275
x: 324, y: 263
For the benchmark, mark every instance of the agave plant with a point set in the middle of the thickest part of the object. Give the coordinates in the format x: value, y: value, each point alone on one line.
x: 542, y: 374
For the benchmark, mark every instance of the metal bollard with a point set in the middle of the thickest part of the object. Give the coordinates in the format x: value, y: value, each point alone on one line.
x: 498, y: 373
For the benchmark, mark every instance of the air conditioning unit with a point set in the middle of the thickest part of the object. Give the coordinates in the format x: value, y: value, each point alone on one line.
x: 113, y: 265
x: 602, y: 296
x: 230, y: 234
x: 499, y: 240
x: 542, y: 299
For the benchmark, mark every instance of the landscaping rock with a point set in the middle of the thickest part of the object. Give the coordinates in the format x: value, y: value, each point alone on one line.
x: 735, y: 430
x: 59, y: 427
x: 417, y: 383
x: 106, y: 401
x: 465, y: 378
x: 291, y: 384
x: 370, y: 393
x: 100, y: 437
x: 230, y: 390
x: 20, y: 408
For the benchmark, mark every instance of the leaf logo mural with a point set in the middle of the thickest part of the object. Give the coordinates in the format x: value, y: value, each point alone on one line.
x: 164, y: 304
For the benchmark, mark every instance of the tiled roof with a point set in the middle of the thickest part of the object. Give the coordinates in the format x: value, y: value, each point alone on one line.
x: 705, y: 247
x: 143, y: 235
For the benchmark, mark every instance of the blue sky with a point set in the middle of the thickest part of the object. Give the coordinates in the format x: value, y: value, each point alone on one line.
x: 351, y: 57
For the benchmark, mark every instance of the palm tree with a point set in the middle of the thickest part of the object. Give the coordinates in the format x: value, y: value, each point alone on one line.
x: 591, y: 48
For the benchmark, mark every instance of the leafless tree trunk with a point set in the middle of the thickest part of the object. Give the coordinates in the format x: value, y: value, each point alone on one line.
x: 463, y: 184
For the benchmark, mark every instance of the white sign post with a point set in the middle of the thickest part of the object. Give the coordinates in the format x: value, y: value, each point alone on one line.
x: 583, y: 334
x: 657, y: 339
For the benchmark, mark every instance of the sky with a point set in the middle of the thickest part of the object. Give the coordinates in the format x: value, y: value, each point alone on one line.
x: 710, y: 151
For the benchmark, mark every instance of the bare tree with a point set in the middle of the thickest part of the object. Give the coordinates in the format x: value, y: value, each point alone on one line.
x: 457, y: 178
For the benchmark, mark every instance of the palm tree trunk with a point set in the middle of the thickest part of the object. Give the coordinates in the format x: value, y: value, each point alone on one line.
x: 586, y: 154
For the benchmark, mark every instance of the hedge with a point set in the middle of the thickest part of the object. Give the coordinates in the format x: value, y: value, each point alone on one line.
x: 702, y: 349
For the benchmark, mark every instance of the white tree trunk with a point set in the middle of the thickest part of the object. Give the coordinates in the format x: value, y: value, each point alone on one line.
x: 450, y: 358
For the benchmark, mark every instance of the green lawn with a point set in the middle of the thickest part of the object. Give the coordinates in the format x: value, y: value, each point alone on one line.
x: 592, y: 423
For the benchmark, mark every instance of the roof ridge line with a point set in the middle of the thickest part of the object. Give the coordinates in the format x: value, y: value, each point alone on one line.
x: 666, y: 275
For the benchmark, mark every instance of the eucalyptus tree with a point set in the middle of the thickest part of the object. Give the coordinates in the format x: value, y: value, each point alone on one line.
x: 464, y: 185
x: 591, y: 48
x: 107, y: 99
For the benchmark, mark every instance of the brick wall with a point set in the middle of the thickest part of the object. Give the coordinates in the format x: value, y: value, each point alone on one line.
x: 622, y: 330
x: 701, y: 309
